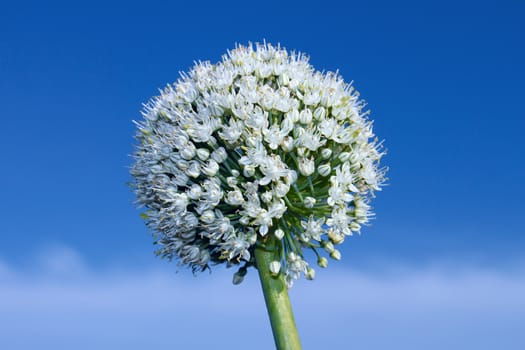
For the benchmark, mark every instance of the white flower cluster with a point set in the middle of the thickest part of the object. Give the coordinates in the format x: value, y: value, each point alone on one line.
x: 259, y: 146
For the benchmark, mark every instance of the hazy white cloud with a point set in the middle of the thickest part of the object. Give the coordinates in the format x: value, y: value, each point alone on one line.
x: 60, y: 262
x: 66, y: 305
x: 5, y: 271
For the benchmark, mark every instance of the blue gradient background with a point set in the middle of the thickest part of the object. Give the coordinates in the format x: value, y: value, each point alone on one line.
x: 442, y: 266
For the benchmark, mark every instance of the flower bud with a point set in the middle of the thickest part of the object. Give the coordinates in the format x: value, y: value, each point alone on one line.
x: 203, y: 154
x: 274, y: 267
x: 306, y: 166
x: 319, y: 113
x: 354, y: 226
x: 180, y: 140
x: 279, y: 234
x: 183, y: 165
x: 291, y: 176
x: 180, y: 201
x: 208, y: 216
x: 322, y: 262
x: 188, y: 152
x: 232, y: 181
x: 287, y: 144
x: 194, y: 192
x: 238, y: 276
x: 284, y: 79
x: 267, y: 197
x: 194, y: 169
x: 344, y: 156
x: 309, y: 202
x: 219, y: 155
x: 328, y: 246
x: 324, y: 170
x: 336, y: 238
x: 211, y: 168
x: 326, y: 153
x: 234, y: 198
x: 248, y: 171
x: 281, y: 189
x: 252, y: 237
x: 335, y: 254
x: 310, y: 273
x: 287, y: 125
x: 305, y: 117
x: 293, y: 115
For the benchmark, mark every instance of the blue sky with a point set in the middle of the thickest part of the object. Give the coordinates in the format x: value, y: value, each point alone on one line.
x: 444, y: 81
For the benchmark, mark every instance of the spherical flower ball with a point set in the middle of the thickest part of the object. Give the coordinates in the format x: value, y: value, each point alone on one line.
x: 257, y: 147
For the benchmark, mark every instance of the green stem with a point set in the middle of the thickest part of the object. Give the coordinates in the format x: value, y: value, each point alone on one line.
x: 277, y: 301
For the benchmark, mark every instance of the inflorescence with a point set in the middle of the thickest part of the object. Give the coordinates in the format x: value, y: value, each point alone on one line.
x: 256, y: 147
